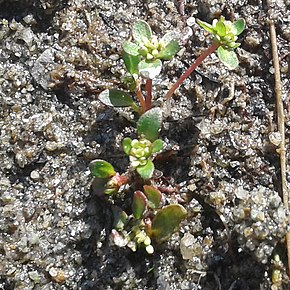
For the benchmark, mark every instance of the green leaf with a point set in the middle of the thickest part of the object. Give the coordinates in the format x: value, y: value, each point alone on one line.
x: 139, y: 204
x: 154, y: 196
x: 228, y: 57
x: 233, y: 45
x: 169, y: 50
x: 168, y: 37
x: 157, y: 146
x: 101, y: 169
x: 140, y: 30
x: 131, y: 62
x: 147, y: 170
x: 130, y: 48
x: 116, y: 98
x: 131, y: 56
x: 150, y: 123
x: 166, y: 221
x: 120, y: 218
x: 126, y: 144
x: 239, y: 25
x: 150, y: 69
x: 221, y: 28
x: 205, y: 26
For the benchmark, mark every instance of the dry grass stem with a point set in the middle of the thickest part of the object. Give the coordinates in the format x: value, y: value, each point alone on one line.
x: 281, y: 127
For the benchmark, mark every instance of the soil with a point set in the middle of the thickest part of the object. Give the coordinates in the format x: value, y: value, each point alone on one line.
x: 220, y: 130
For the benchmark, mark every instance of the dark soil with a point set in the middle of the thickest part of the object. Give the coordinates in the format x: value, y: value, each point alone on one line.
x: 55, y: 58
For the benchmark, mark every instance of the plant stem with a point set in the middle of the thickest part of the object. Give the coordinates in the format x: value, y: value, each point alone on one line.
x: 281, y: 128
x: 148, y: 88
x: 140, y: 96
x: 198, y: 61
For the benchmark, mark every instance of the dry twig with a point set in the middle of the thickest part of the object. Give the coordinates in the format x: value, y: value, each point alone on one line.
x: 281, y: 127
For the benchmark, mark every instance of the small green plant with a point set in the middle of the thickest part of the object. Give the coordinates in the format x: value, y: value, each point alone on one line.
x: 143, y: 60
x: 152, y: 216
x: 225, y: 34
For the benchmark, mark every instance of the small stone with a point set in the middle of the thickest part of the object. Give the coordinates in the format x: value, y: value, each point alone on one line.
x: 33, y: 238
x: 187, y: 246
x: 6, y: 197
x: 190, y: 21
x: 241, y: 193
x: 152, y: 5
x: 253, y: 40
x: 51, y: 145
x: 20, y: 159
x: 34, y: 175
x: 286, y: 33
x: 52, y: 272
x: 34, y: 276
x: 275, y: 201
x: 275, y: 138
x: 257, y: 215
x: 57, y: 275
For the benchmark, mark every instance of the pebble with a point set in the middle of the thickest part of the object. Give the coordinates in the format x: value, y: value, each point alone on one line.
x: 52, y: 67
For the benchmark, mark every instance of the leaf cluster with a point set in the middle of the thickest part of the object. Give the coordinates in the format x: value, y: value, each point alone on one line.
x: 225, y: 34
x: 143, y: 56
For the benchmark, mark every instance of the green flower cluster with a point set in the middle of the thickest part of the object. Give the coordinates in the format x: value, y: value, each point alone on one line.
x: 140, y: 237
x: 225, y: 34
x: 140, y: 154
x: 143, y: 56
x: 140, y: 151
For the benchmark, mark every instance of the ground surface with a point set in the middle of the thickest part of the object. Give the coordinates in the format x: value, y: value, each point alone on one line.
x: 55, y: 57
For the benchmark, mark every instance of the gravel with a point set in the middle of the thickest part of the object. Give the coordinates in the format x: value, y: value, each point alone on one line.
x: 55, y: 57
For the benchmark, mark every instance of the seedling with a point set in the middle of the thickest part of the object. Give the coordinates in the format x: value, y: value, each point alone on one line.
x: 150, y: 218
x: 225, y: 34
x: 143, y: 60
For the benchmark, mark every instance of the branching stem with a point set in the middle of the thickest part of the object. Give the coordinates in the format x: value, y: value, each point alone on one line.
x: 198, y: 61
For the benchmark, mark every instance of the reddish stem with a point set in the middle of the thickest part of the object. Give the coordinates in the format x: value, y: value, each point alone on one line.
x: 198, y: 61
x: 148, y: 88
x: 140, y: 97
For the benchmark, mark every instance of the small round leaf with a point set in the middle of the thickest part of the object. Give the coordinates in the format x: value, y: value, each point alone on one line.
x: 228, y: 57
x: 221, y: 28
x: 168, y: 37
x: 131, y: 57
x: 169, y: 50
x: 154, y: 196
x: 101, y: 168
x: 139, y: 204
x: 150, y: 69
x: 149, y: 124
x: 130, y: 48
x: 239, y: 26
x: 166, y: 221
x: 126, y: 144
x: 140, y: 30
x: 120, y: 218
x: 147, y: 170
x: 115, y: 98
x: 157, y: 146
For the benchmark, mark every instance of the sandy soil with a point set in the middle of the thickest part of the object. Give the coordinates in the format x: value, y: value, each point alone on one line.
x: 55, y: 58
